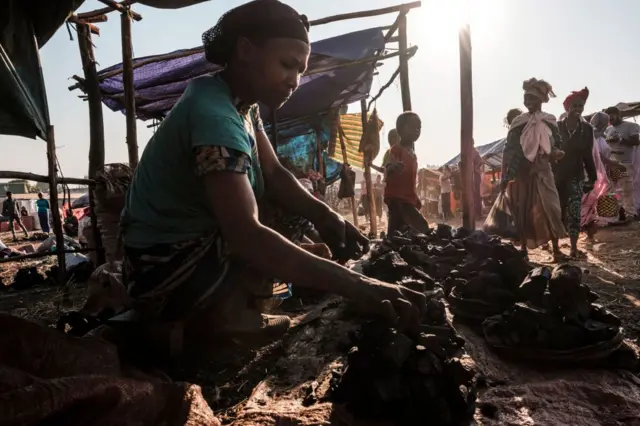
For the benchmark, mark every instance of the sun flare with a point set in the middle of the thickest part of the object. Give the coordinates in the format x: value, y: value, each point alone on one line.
x: 440, y: 19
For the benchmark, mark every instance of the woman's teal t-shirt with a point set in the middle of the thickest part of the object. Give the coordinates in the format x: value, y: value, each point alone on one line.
x: 42, y: 205
x: 166, y: 201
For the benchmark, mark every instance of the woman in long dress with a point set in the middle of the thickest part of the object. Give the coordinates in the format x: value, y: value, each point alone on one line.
x: 601, y: 206
x: 533, y: 142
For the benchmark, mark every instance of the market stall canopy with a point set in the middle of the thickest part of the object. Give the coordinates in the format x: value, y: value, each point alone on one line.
x: 491, y: 153
x: 25, y: 26
x: 160, y: 80
x: 627, y: 110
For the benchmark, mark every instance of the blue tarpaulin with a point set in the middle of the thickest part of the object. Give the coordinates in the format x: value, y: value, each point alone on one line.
x: 161, y: 79
x: 491, y: 153
x: 299, y: 145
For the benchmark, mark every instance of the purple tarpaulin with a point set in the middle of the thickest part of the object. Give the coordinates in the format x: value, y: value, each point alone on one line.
x: 160, y: 83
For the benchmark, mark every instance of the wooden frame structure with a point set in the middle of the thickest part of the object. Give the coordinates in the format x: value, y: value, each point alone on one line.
x: 90, y: 84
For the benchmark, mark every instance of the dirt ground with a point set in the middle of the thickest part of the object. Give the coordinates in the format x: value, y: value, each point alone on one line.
x: 250, y: 387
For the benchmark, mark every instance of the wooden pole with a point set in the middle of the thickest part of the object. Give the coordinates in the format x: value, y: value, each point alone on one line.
x: 345, y: 162
x: 366, y: 13
x: 184, y: 53
x: 55, y: 211
x: 95, y: 231
x: 319, y: 152
x: 92, y: 88
x: 274, y: 130
x: 466, y: 127
x: 404, y: 63
x: 44, y: 179
x: 129, y: 88
x: 371, y: 196
x: 44, y: 254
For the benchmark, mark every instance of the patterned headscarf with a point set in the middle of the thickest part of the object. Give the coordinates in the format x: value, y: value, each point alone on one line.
x: 538, y: 88
x: 599, y: 121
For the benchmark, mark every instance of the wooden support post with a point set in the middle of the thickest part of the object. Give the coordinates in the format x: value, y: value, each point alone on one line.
x: 366, y: 13
x: 345, y: 162
x: 319, y: 157
x: 55, y: 211
x: 274, y: 131
x: 95, y: 231
x: 371, y: 196
x: 129, y: 88
x: 92, y: 88
x: 404, y: 63
x: 466, y: 128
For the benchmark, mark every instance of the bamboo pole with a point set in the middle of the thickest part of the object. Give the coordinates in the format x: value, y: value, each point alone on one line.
x: 55, y: 211
x: 373, y: 218
x: 321, y: 169
x: 274, y: 130
x: 345, y: 162
x: 466, y: 127
x: 404, y: 64
x: 96, y: 123
x: 129, y: 88
x: 110, y: 8
x: 176, y: 55
x: 44, y: 179
x: 95, y: 231
x: 44, y: 254
x: 366, y: 13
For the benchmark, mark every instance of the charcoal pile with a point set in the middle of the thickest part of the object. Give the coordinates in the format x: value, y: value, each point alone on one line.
x: 396, y: 379
x: 26, y: 278
x: 479, y: 274
x: 556, y: 318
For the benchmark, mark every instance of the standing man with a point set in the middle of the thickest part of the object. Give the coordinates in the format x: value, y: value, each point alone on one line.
x: 577, y: 143
x: 445, y: 193
x: 402, y: 170
x: 43, y: 213
x: 623, y: 138
x: 11, y: 210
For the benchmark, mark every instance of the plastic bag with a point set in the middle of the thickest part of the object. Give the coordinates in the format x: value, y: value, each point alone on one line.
x: 500, y: 220
x: 347, y: 183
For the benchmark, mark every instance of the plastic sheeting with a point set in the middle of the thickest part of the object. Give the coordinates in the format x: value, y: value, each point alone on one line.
x: 299, y: 146
x: 491, y: 153
x: 161, y: 80
x: 26, y: 25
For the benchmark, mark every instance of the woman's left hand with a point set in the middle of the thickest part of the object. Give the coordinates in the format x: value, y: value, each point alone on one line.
x: 345, y: 240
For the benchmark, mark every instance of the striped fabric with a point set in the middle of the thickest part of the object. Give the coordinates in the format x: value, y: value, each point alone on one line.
x: 352, y: 132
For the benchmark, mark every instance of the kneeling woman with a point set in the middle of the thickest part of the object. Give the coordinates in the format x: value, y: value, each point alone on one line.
x: 532, y: 144
x: 197, y: 251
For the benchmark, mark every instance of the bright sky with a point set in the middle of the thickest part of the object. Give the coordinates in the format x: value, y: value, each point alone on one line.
x: 570, y: 43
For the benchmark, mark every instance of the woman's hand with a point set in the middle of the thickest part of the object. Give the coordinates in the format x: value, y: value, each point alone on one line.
x: 345, y: 240
x: 402, y: 307
x: 557, y: 155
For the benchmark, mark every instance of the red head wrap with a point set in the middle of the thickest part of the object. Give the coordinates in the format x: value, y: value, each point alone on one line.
x: 582, y: 94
